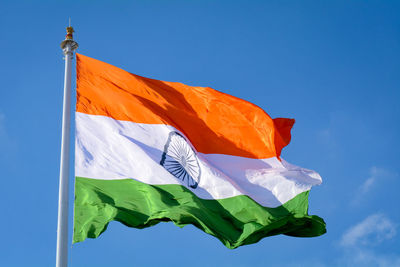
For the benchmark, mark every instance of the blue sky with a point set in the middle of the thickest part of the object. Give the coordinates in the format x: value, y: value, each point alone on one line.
x: 332, y: 65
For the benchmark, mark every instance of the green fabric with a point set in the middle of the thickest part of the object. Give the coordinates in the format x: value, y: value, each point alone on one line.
x: 235, y: 221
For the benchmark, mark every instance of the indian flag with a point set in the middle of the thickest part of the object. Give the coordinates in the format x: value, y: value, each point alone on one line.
x: 148, y: 151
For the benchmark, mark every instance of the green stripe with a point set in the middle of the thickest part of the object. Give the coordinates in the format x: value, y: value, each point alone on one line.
x: 235, y: 221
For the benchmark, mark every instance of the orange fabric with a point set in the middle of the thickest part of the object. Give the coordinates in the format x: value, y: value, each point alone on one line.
x: 215, y: 123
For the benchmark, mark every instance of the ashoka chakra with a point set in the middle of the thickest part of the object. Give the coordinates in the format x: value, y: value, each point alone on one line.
x: 180, y: 160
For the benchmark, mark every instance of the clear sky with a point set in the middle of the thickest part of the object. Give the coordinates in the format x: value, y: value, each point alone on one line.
x: 334, y: 66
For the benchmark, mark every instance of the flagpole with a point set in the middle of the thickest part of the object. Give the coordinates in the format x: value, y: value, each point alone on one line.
x: 68, y: 46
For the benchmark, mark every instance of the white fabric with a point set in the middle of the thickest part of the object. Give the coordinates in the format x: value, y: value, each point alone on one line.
x: 109, y: 149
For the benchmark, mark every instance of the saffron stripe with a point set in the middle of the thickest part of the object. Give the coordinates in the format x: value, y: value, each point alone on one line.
x: 216, y: 123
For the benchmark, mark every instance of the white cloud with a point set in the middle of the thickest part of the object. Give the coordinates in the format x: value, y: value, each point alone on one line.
x: 358, y: 242
x: 363, y: 257
x: 373, y: 230
x: 375, y: 177
x: 359, y: 245
x: 366, y: 186
x: 375, y: 174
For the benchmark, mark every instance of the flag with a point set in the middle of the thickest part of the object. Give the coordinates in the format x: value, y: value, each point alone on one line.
x: 149, y: 151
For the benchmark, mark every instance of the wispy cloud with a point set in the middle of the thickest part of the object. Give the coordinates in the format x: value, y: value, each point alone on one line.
x: 359, y: 244
x: 354, y: 257
x: 375, y: 177
x: 359, y: 240
x: 366, y: 186
x: 373, y: 230
x: 367, y: 257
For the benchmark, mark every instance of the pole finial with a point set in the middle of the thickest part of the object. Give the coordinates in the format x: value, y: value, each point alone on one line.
x: 70, y: 31
x: 69, y: 39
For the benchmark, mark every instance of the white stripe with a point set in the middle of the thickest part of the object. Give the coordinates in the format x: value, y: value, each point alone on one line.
x: 110, y: 149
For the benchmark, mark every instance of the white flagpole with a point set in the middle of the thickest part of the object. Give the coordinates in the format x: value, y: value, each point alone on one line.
x: 68, y: 46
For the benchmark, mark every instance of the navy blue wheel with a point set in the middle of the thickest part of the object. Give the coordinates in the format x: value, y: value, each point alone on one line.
x: 180, y: 160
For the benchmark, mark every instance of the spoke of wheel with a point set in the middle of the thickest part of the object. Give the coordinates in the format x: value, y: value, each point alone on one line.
x: 172, y: 164
x: 182, y: 170
x: 175, y: 151
x: 175, y: 168
x: 175, y: 172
